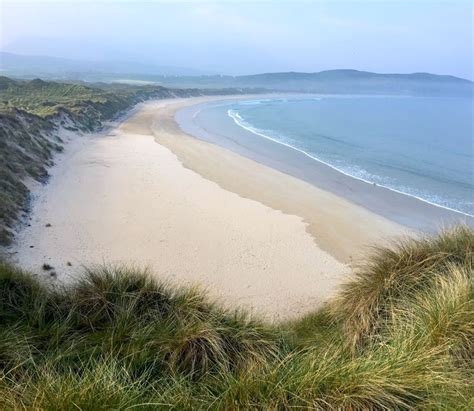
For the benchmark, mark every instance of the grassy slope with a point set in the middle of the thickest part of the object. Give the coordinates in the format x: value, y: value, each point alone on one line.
x: 398, y: 336
x: 31, y: 113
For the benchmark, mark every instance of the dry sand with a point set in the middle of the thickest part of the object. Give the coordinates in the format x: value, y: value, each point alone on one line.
x: 149, y: 195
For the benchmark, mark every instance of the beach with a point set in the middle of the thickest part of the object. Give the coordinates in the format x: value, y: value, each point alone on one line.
x: 348, y: 146
x: 149, y: 195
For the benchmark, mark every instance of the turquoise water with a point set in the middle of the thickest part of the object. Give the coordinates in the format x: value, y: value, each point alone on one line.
x: 419, y: 146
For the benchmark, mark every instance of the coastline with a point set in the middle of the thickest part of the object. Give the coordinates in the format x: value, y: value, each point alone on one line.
x: 121, y: 198
x: 450, y: 210
x: 343, y: 229
x: 404, y: 209
x: 145, y: 193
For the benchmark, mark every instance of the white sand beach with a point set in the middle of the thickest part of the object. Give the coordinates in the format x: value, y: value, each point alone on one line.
x: 149, y: 195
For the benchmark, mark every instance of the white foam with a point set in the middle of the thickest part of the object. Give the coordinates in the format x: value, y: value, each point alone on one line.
x: 265, y: 134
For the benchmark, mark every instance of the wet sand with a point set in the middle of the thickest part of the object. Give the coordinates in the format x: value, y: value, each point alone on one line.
x: 403, y: 209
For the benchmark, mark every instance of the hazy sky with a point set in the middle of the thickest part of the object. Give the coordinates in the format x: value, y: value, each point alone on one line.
x: 236, y: 37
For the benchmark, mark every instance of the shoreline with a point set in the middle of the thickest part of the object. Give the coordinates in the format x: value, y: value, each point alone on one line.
x: 325, y: 214
x: 350, y: 175
x: 404, y: 209
x: 120, y: 197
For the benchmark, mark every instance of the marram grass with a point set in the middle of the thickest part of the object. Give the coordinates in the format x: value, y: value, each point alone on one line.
x: 399, y: 335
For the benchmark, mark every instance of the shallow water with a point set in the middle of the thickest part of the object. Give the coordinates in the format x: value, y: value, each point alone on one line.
x: 419, y: 146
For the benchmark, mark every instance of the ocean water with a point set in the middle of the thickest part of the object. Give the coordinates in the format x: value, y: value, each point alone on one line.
x: 419, y: 146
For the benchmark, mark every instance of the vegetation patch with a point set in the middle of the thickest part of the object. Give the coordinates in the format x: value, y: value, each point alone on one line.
x: 398, y: 336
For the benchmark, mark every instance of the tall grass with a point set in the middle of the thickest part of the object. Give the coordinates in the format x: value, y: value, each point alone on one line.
x: 398, y: 336
x: 399, y: 272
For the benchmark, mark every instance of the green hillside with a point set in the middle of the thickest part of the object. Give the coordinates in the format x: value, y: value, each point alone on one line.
x: 48, y: 98
x: 399, y: 336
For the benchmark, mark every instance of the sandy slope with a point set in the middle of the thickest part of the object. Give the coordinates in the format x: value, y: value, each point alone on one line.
x: 123, y: 198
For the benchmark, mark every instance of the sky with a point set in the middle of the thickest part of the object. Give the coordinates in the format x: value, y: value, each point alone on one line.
x: 244, y: 37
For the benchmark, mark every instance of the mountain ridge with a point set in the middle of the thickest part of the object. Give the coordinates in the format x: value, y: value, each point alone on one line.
x: 25, y: 63
x: 352, y: 73
x: 43, y: 65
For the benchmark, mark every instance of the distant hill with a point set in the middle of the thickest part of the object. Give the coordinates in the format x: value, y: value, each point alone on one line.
x: 353, y: 81
x: 341, y: 81
x: 56, y: 67
x: 347, y: 75
x: 337, y: 82
x: 331, y: 82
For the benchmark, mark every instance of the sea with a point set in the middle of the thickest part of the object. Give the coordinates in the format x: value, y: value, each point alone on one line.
x: 418, y: 146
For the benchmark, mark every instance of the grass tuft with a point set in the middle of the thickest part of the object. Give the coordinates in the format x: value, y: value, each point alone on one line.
x: 390, y: 274
x: 398, y: 336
